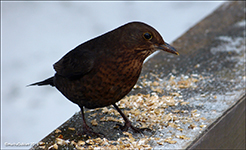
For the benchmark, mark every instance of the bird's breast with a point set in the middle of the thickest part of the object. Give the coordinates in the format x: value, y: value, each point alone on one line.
x: 112, y: 81
x: 105, y: 84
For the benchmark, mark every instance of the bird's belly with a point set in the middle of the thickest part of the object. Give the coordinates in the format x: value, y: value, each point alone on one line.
x: 106, y: 89
x: 97, y: 89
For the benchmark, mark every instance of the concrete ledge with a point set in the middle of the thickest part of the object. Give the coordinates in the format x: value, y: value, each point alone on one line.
x: 199, y: 96
x: 227, y: 132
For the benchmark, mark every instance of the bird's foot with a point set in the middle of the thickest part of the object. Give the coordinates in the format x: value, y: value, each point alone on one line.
x: 135, y: 129
x: 128, y: 123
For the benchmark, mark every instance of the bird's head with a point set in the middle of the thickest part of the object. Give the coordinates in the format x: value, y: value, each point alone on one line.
x: 144, y: 39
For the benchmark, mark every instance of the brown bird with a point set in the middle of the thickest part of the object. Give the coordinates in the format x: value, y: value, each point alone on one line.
x: 101, y: 71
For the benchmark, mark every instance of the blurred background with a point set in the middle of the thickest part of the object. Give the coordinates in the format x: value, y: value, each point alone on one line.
x: 37, y: 34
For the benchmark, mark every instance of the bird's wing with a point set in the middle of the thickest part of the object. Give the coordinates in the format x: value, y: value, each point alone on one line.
x: 75, y: 63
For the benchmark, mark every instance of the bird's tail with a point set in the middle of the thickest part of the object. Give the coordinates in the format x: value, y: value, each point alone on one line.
x: 49, y: 81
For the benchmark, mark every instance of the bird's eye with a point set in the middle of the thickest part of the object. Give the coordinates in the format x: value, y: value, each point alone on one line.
x: 147, y: 36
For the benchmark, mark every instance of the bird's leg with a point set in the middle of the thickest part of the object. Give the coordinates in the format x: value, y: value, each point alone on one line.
x: 128, y: 123
x: 84, y: 125
x: 86, y: 129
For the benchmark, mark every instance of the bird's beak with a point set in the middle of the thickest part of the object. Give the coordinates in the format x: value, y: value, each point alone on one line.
x: 168, y: 48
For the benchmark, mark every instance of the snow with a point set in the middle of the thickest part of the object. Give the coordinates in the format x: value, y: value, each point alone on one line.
x: 37, y: 34
x: 241, y: 23
x: 231, y: 44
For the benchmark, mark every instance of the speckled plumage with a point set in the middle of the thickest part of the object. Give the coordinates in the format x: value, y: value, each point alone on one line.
x: 103, y: 70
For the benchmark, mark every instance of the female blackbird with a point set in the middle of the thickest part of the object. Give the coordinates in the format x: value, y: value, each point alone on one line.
x: 103, y: 70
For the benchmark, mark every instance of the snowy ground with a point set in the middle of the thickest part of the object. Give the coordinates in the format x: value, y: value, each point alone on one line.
x: 36, y: 34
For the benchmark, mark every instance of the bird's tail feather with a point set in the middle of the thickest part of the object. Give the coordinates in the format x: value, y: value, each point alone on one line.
x: 49, y: 81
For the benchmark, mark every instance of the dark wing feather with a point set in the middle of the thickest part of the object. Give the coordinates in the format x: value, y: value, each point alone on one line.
x: 75, y: 63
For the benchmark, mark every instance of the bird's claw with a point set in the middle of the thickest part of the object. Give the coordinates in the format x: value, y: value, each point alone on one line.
x: 135, y: 129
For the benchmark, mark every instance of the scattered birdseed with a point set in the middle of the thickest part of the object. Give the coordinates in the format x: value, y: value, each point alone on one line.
x: 191, y: 126
x: 176, y: 111
x: 98, y: 140
x: 80, y: 143
x: 60, y: 141
x: 155, y: 83
x: 203, y: 125
x: 184, y: 111
x: 73, y: 143
x: 111, y: 119
x: 94, y: 122
x: 89, y: 141
x: 58, y: 131
x: 180, y: 129
x: 174, y: 94
x: 184, y: 103
x: 41, y: 143
x: 42, y: 147
x: 79, y: 147
x: 193, y: 111
x: 203, y: 118
x: 147, y: 111
x: 203, y: 95
x: 93, y: 115
x: 55, y: 146
x: 182, y: 137
x: 60, y: 136
x: 171, y: 124
x: 197, y: 66
x: 71, y: 128
x: 137, y: 87
x: 158, y: 90
x: 195, y: 115
x: 170, y: 141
